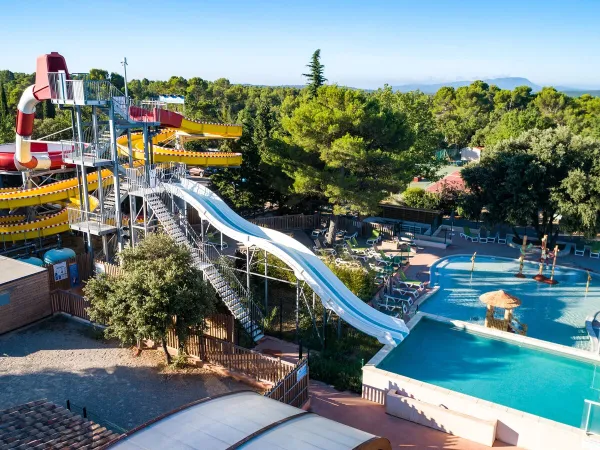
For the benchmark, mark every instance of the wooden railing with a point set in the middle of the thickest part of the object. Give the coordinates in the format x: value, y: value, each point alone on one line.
x: 233, y: 357
x: 293, y: 388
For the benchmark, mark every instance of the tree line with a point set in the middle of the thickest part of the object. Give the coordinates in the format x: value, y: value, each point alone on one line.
x: 337, y: 146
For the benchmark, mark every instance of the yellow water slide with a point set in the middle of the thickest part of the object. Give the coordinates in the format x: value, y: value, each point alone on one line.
x: 190, y: 130
x: 16, y: 228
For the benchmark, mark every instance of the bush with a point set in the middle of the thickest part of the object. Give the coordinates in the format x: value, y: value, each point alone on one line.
x: 416, y: 197
x: 341, y: 363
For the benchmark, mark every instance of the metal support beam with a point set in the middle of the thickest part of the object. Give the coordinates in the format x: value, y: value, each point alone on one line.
x: 297, y: 310
x: 86, y: 194
x: 247, y: 269
x: 266, y: 286
x: 116, y: 179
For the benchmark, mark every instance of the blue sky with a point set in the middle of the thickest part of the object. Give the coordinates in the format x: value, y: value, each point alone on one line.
x: 363, y: 43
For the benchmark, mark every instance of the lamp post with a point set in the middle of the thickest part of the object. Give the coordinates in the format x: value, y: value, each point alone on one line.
x: 124, y: 64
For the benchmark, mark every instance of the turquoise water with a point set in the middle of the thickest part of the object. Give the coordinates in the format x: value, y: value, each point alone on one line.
x: 534, y: 381
x: 552, y: 313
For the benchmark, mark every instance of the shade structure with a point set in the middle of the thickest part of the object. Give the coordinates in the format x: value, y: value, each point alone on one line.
x: 500, y: 299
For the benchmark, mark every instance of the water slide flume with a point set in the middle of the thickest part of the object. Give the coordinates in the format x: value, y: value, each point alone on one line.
x: 306, y: 265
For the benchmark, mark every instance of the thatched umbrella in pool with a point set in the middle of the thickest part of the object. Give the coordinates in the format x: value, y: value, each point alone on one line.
x: 499, y: 299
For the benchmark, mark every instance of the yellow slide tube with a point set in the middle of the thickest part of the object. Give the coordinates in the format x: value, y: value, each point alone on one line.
x: 200, y: 130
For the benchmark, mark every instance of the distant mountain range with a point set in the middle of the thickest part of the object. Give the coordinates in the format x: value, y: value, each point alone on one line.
x: 503, y: 83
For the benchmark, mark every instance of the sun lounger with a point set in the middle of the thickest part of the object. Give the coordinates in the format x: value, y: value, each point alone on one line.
x: 492, y: 239
x: 398, y: 299
x: 418, y: 283
x: 579, y: 251
x: 318, y: 232
x: 374, y: 238
x: 499, y: 239
x: 595, y: 250
x: 483, y: 237
x: 348, y: 237
x: 319, y: 249
x: 406, y: 291
x: 468, y: 235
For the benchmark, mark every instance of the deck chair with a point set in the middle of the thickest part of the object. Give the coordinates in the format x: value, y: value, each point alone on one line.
x: 406, y: 291
x: 405, y: 280
x: 318, y: 232
x: 319, y: 249
x: 491, y: 238
x: 399, y: 299
x: 348, y: 237
x: 483, y: 236
x: 468, y: 235
x: 381, y: 258
x: 374, y: 238
x: 499, y: 239
x: 579, y: 251
x: 595, y: 250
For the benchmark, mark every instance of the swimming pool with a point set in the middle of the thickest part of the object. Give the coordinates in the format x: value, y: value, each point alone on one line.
x: 552, y: 313
x: 518, y: 376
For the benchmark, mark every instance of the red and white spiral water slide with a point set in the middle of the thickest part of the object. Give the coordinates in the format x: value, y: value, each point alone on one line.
x: 26, y: 154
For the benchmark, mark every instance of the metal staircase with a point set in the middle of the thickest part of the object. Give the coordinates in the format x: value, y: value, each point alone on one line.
x: 109, y: 197
x: 210, y: 262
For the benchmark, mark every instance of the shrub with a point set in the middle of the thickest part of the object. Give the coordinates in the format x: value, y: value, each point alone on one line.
x: 416, y: 197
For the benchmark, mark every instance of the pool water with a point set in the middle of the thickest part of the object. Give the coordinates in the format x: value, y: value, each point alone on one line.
x: 520, y: 377
x: 552, y: 313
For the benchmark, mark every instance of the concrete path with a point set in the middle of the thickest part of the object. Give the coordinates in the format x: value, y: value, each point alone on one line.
x: 352, y: 410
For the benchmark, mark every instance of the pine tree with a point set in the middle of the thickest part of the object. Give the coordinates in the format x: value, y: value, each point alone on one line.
x: 48, y: 110
x: 315, y: 77
x: 3, y: 101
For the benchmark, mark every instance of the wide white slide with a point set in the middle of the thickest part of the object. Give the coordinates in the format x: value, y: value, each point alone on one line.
x: 306, y: 265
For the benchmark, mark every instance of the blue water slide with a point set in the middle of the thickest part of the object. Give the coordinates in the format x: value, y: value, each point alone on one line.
x: 306, y: 265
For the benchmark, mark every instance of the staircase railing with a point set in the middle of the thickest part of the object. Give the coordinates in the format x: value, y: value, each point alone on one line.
x: 205, y: 256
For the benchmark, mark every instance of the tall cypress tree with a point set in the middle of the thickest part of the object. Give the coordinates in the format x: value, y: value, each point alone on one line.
x: 315, y: 77
x: 3, y: 101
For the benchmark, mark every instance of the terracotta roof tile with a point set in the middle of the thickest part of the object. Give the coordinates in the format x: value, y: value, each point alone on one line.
x: 41, y: 424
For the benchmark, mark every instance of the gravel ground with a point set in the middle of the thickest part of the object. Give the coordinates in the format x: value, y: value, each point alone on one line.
x: 60, y: 359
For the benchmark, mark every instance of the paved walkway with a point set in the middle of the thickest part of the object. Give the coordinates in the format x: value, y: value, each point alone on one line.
x: 352, y: 410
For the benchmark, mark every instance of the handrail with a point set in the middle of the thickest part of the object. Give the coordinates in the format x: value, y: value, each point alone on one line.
x: 205, y: 253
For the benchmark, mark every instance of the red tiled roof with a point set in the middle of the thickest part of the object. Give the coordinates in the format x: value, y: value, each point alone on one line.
x: 42, y: 424
x: 453, y: 180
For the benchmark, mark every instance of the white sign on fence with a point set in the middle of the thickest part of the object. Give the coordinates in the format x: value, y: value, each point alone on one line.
x: 60, y: 271
x: 301, y: 372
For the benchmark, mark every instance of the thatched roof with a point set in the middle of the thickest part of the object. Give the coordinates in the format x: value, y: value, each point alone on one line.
x: 500, y: 299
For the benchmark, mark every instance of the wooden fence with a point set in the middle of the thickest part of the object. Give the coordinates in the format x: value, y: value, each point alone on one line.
x: 233, y: 357
x: 290, y: 381
x: 69, y: 303
x: 85, y: 269
x: 293, y: 388
x: 291, y: 222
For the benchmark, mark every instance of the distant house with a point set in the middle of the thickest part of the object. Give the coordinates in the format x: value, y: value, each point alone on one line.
x: 471, y: 153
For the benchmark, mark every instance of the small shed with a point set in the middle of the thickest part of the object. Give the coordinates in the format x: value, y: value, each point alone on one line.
x: 24, y: 294
x: 245, y: 420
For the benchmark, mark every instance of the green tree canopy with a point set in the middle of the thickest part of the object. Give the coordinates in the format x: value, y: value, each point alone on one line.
x: 345, y: 147
x: 535, y: 178
x: 158, y: 282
